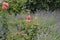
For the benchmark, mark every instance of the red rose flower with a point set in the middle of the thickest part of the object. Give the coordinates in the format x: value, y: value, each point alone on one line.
x: 5, y: 5
x: 28, y: 17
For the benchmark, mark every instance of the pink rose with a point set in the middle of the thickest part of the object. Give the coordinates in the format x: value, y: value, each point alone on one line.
x: 4, y: 5
x: 28, y: 17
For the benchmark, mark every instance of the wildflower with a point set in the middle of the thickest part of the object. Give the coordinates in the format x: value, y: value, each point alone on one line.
x: 5, y: 5
x: 28, y: 17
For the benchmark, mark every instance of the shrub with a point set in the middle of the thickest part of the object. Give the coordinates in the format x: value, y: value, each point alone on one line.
x: 16, y: 6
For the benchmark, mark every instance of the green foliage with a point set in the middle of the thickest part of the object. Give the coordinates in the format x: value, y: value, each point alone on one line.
x: 43, y: 4
x: 20, y: 29
x: 17, y: 6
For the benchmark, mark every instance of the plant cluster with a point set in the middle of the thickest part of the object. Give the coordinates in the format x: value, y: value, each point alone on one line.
x: 25, y: 28
x: 17, y: 6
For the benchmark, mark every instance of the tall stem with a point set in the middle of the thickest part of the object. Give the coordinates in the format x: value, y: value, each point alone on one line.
x: 5, y: 26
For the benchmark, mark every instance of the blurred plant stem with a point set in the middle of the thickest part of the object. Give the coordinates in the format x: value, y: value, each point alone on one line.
x: 5, y: 25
